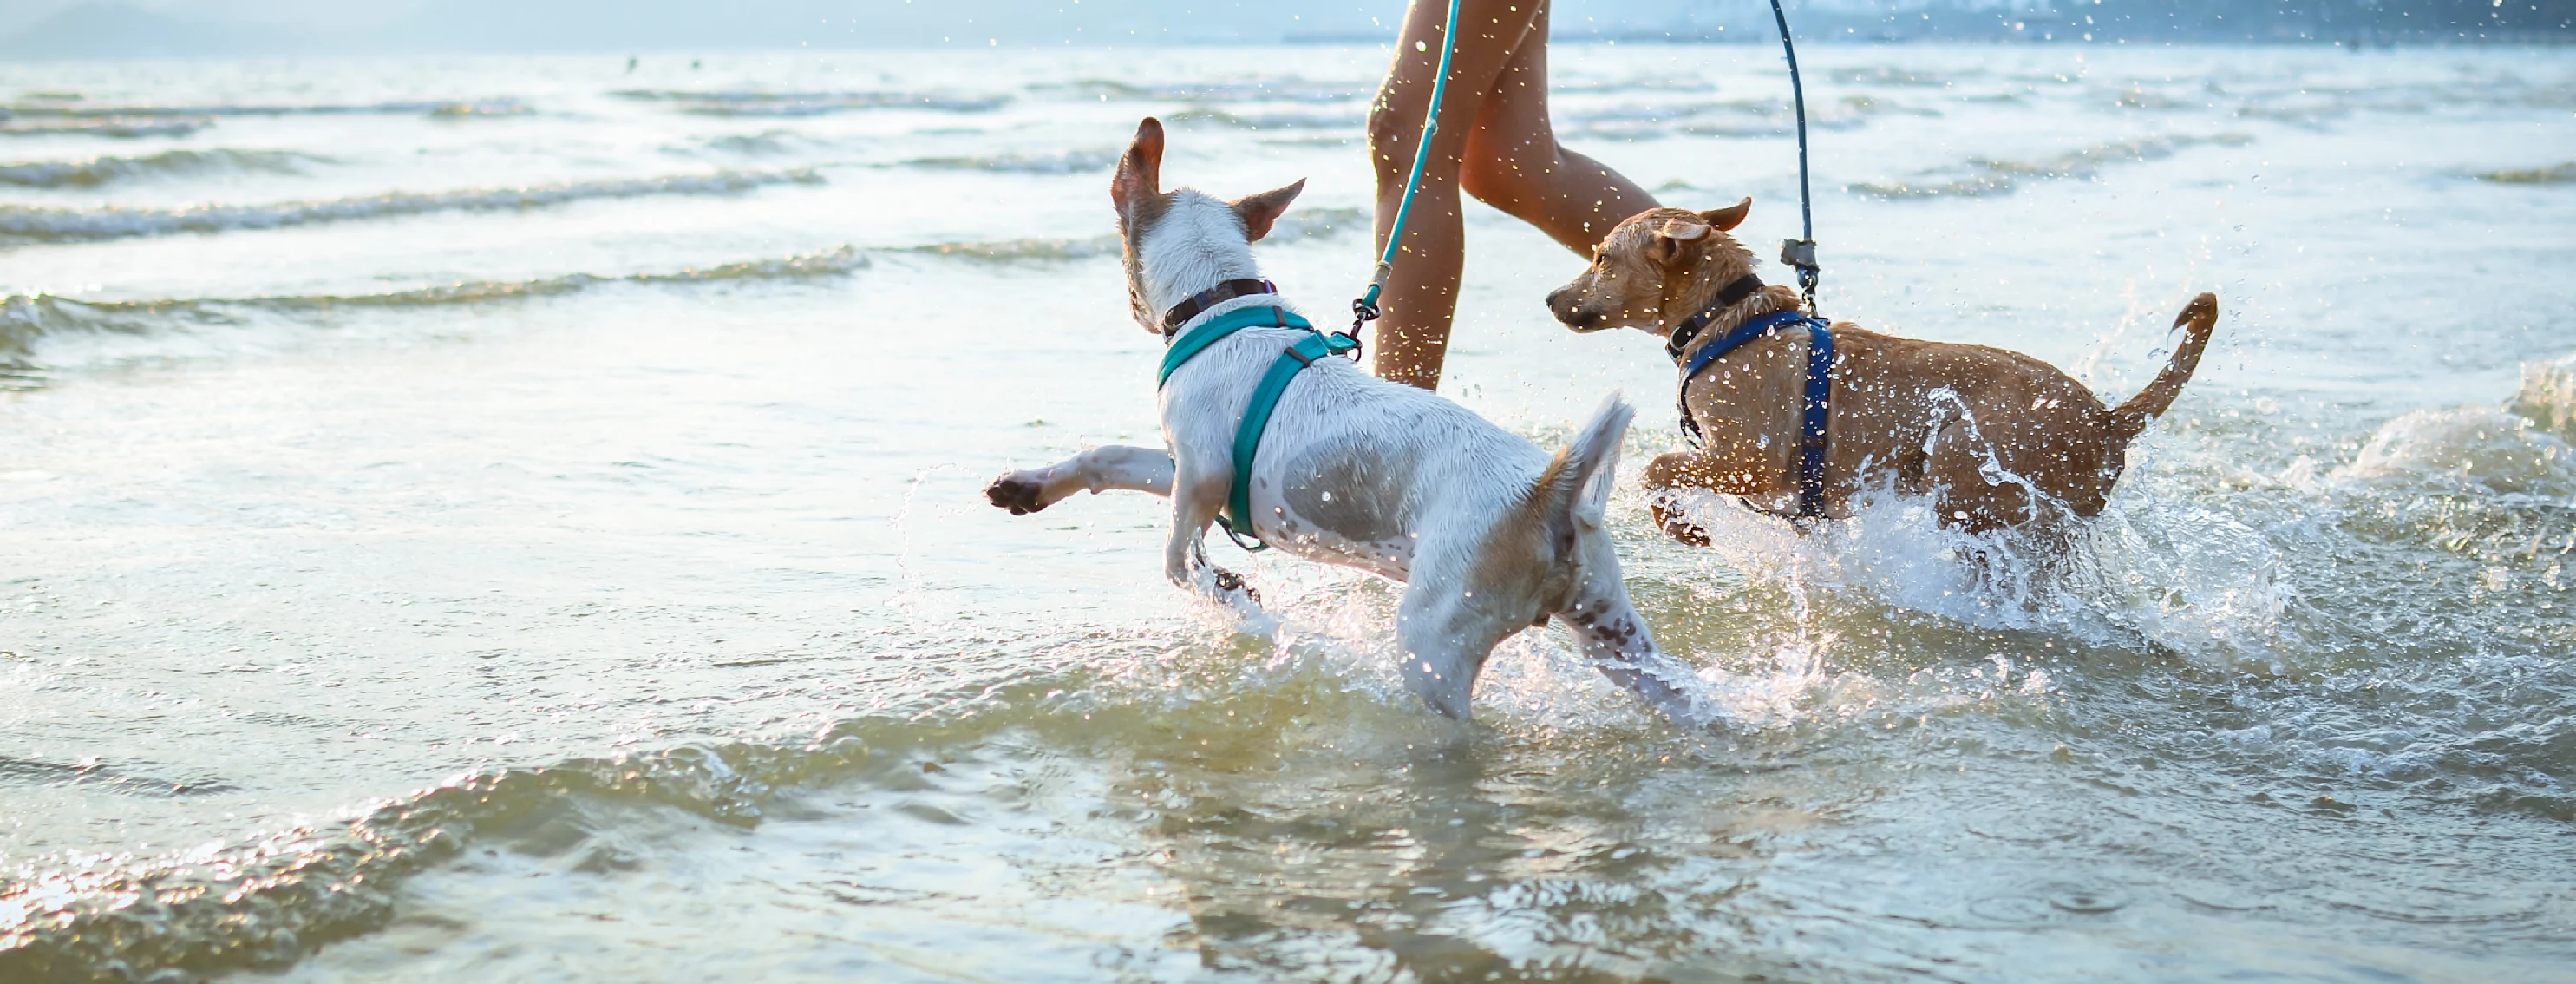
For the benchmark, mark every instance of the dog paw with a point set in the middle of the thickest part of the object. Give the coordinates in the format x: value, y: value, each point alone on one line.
x: 1678, y: 526
x: 1229, y: 581
x: 1019, y: 495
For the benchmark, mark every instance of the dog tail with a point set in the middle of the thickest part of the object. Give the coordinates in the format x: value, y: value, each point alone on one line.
x: 1566, y: 493
x: 2197, y: 320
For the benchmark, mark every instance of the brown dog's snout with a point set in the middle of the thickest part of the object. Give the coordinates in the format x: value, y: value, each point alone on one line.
x: 1559, y: 303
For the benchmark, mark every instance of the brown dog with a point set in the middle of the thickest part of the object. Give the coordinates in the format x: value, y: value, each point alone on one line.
x: 1995, y: 438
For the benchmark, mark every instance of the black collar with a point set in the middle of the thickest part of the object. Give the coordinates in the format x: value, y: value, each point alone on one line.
x: 1181, y: 313
x: 1729, y: 296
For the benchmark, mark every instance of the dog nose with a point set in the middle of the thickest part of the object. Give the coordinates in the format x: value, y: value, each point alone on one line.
x: 1553, y: 295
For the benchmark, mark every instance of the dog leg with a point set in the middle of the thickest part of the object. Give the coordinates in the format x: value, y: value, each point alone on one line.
x: 1973, y: 490
x: 1195, y: 504
x: 1095, y: 470
x: 1444, y: 639
x: 1610, y: 632
x: 1694, y: 470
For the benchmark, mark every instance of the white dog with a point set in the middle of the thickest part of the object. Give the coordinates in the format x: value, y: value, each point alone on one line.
x: 1491, y: 535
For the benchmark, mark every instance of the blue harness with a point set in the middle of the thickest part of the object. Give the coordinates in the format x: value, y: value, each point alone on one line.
x: 1820, y: 389
x: 1237, y: 518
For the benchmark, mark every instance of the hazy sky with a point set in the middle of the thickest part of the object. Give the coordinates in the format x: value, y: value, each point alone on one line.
x: 1034, y: 20
x: 15, y: 14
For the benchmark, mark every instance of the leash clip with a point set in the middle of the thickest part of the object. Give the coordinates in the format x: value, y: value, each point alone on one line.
x: 1362, y: 312
x: 1801, y: 254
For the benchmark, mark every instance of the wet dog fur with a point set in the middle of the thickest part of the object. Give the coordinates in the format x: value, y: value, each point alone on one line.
x: 1995, y: 438
x: 1490, y: 534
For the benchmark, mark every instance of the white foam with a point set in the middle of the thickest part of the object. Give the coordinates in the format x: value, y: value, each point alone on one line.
x: 2548, y: 395
x: 2478, y: 448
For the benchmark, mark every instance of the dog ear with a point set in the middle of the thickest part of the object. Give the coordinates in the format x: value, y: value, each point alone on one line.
x: 1731, y: 216
x: 1259, y: 211
x: 1140, y: 170
x: 1670, y: 234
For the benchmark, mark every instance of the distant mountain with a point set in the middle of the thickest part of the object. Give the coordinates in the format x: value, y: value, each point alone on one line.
x: 110, y: 29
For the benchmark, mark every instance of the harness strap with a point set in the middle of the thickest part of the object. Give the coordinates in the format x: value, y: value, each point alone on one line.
x: 1818, y: 402
x: 1811, y: 443
x: 1237, y: 517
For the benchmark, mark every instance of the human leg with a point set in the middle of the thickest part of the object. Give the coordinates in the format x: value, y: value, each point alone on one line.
x: 1422, y: 293
x: 1514, y: 163
x: 1495, y: 125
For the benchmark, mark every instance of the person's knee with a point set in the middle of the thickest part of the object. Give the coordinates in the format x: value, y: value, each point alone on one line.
x: 1505, y: 176
x: 1391, y: 135
x: 1496, y: 181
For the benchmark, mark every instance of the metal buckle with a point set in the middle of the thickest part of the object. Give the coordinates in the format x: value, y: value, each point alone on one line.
x: 1362, y: 312
x: 1801, y: 253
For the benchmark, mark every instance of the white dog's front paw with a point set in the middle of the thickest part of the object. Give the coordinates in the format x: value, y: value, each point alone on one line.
x: 1020, y: 492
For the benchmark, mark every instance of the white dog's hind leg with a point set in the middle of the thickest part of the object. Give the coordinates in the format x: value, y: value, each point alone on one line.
x: 1095, y: 470
x: 1445, y: 633
x: 1615, y: 638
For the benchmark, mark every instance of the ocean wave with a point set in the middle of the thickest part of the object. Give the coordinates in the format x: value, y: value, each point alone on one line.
x: 1667, y: 112
x: 1994, y: 176
x: 1734, y: 118
x: 65, y: 109
x: 1865, y: 105
x: 2560, y: 174
x: 119, y: 128
x: 765, y: 143
x: 263, y: 903
x: 725, y: 103
x: 1025, y: 249
x: 27, y: 319
x: 2548, y: 396
x: 1321, y: 222
x: 2470, y: 449
x: 1288, y: 89
x: 63, y: 224
x: 102, y: 170
x: 1648, y: 84
x: 1887, y: 75
x: 1352, y: 120
x: 1313, y: 223
x: 1061, y: 162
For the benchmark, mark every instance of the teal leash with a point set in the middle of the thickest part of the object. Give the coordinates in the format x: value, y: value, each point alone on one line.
x: 1365, y: 309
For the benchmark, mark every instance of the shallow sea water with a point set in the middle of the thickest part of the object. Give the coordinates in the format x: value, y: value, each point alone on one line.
x: 514, y: 519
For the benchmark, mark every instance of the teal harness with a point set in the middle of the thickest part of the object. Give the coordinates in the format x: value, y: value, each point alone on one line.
x: 1237, y: 517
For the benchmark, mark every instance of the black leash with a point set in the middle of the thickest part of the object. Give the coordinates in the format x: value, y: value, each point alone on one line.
x: 1799, y: 253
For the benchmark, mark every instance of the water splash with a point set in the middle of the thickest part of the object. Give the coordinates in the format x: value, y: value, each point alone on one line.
x: 2162, y: 571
